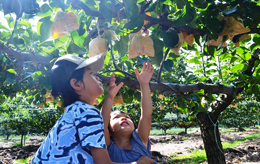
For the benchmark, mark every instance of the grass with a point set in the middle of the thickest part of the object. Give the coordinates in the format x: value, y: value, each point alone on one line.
x: 170, y: 131
x: 237, y: 142
x: 194, y: 157
x: 185, y: 138
x: 22, y: 160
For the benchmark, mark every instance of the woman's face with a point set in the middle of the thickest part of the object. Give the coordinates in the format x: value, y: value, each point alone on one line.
x: 121, y: 122
x: 92, y: 85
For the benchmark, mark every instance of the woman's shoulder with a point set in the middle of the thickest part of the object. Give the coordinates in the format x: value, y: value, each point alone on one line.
x: 79, y: 105
x: 80, y: 108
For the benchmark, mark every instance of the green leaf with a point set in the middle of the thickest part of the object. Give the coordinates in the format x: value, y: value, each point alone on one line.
x: 17, y: 41
x: 211, y: 50
x: 10, y: 78
x: 255, y: 89
x: 170, y: 39
x: 135, y: 24
x: 131, y: 9
x: 73, y: 48
x: 30, y: 6
x: 233, y: 59
x: 44, y: 28
x: 10, y: 21
x: 203, y: 78
x: 213, y: 24
x: 79, y: 40
x: 158, y: 50
x: 200, y: 3
x: 195, y: 60
x: 45, y: 11
x: 190, y: 78
x: 152, y: 7
x: 187, y: 16
x: 10, y: 6
x: 12, y: 71
x: 247, y: 56
x: 61, y: 41
x: 59, y: 4
x: 181, y: 3
x: 237, y: 67
x: 82, y: 29
x: 107, y: 6
x: 24, y: 23
x: 107, y: 60
x: 36, y: 75
x: 168, y: 65
x: 122, y: 46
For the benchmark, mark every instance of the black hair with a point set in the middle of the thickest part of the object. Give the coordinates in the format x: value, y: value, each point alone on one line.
x: 68, y: 93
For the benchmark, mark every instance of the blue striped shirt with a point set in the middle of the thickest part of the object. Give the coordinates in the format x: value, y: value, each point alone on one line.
x: 69, y: 141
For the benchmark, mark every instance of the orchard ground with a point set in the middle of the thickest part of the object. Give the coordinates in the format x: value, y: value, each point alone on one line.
x: 164, y: 148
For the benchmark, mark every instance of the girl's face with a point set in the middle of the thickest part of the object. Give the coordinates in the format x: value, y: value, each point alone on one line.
x: 121, y: 122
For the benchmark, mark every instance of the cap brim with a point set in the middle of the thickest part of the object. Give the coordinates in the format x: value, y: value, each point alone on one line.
x: 95, y: 63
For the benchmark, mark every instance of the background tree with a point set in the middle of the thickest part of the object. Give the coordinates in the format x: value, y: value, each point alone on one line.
x: 21, y: 117
x: 243, y: 112
x: 215, y: 66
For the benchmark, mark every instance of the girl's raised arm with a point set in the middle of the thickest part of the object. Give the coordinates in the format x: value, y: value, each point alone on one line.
x: 145, y: 122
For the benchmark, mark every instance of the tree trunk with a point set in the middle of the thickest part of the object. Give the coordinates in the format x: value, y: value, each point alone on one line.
x: 212, y: 145
x: 164, y: 130
x: 22, y: 140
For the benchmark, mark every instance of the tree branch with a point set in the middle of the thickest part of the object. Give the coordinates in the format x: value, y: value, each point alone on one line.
x: 182, y: 88
x: 161, y: 64
x: 13, y: 54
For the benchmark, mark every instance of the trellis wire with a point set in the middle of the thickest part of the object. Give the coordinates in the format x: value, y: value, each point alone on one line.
x: 215, y: 134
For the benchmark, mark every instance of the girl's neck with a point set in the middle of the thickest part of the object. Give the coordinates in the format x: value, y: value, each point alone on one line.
x: 123, y: 142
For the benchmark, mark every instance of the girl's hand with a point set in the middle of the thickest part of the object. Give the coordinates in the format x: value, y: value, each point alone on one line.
x: 113, y: 88
x: 146, y: 74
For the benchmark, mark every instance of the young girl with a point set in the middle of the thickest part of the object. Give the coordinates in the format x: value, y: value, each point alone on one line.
x: 125, y: 144
x: 78, y: 136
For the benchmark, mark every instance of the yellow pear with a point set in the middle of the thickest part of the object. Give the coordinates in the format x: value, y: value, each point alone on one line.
x: 64, y: 23
x: 188, y: 38
x: 234, y: 27
x: 140, y: 44
x: 97, y: 46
